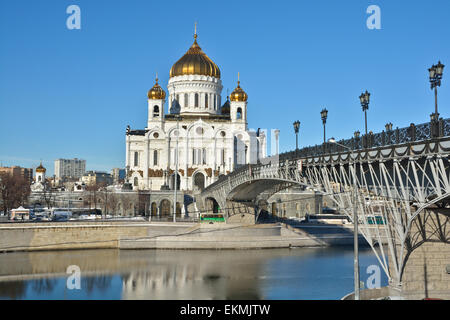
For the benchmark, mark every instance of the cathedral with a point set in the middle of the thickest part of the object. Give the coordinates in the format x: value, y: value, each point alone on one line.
x: 199, y: 139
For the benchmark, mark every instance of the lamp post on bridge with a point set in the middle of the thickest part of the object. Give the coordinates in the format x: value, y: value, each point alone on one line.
x: 296, y: 129
x: 436, y: 72
x: 355, y: 225
x: 324, y: 116
x: 364, y: 98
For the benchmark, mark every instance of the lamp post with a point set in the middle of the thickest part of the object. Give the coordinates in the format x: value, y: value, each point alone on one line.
x: 388, y: 127
x: 296, y: 129
x: 364, y: 98
x: 436, y: 72
x: 324, y: 115
x: 355, y: 225
x: 175, y: 176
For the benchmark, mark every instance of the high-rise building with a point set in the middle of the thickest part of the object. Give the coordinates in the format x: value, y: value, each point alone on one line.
x: 69, y: 168
x: 25, y: 173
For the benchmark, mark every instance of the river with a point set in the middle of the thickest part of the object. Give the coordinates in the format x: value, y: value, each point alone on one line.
x: 292, y: 274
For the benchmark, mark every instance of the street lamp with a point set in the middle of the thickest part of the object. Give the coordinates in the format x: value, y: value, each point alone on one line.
x: 436, y: 72
x: 175, y: 176
x: 364, y: 98
x: 296, y: 128
x: 355, y: 224
x: 324, y: 115
x: 388, y: 127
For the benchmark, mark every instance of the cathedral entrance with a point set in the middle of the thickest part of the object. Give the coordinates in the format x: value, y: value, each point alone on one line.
x: 154, y: 209
x: 199, y: 181
x: 165, y: 208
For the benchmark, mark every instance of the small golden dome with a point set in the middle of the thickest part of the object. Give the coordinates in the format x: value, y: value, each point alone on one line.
x: 40, y: 168
x: 195, y: 61
x: 156, y: 92
x: 238, y: 94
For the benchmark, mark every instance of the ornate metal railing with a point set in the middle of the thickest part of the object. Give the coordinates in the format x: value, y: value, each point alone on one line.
x: 412, y: 133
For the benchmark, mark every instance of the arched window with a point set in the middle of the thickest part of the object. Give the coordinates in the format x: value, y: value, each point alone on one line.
x: 186, y: 100
x: 196, y: 100
x: 155, y: 157
x: 156, y: 111
x: 239, y: 113
x: 215, y: 102
x: 136, y: 159
x: 206, y: 101
x: 135, y: 181
x: 199, y: 180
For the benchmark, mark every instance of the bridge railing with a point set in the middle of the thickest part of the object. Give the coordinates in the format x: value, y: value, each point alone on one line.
x: 412, y: 133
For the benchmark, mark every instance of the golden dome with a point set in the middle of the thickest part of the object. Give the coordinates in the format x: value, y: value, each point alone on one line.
x: 195, y: 61
x: 40, y: 168
x: 238, y: 94
x: 156, y: 92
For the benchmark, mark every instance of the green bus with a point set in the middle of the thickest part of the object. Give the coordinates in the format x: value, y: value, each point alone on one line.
x: 212, y: 218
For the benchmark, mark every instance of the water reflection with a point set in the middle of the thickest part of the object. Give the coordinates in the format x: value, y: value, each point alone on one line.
x: 42, y: 286
x: 307, y: 273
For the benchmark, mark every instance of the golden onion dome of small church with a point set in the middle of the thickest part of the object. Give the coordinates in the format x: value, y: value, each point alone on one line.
x: 238, y: 94
x: 40, y: 168
x: 156, y: 92
x: 195, y: 61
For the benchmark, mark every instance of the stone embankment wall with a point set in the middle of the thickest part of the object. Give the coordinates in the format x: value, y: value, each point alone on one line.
x: 78, y: 235
x: 427, y: 266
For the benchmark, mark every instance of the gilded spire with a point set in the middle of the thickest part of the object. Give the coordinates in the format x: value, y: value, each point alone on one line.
x: 195, y: 31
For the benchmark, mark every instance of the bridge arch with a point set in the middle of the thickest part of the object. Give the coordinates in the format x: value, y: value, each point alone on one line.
x: 212, y: 205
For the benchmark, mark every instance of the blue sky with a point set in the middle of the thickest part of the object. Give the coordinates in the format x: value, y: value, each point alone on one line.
x: 71, y: 93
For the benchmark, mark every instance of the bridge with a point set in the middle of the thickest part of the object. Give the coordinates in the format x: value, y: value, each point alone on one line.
x: 402, y: 176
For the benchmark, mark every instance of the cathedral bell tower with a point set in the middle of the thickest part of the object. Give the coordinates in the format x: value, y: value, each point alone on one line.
x: 156, y: 99
x: 238, y: 105
x: 40, y: 174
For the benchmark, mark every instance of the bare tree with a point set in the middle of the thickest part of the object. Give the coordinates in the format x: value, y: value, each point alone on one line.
x: 14, y: 191
x: 126, y: 202
x: 113, y: 201
x: 93, y: 188
x: 48, y: 197
x: 104, y: 196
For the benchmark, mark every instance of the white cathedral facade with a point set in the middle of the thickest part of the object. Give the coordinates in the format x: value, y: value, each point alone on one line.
x: 212, y: 138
